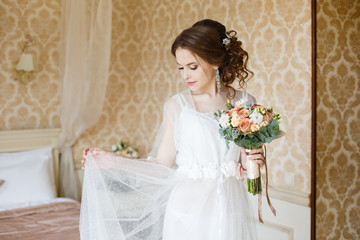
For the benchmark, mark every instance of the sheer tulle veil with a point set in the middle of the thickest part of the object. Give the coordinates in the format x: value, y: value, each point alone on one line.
x: 203, y: 197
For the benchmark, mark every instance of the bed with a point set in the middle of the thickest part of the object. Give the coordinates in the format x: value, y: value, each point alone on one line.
x: 29, y: 186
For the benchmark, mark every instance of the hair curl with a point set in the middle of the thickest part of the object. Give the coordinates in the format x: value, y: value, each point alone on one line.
x: 204, y: 39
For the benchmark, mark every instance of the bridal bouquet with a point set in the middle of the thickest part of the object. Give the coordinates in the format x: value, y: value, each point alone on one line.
x: 249, y: 126
x: 124, y: 149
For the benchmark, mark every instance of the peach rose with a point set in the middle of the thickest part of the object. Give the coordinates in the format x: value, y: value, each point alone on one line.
x: 244, y: 125
x: 243, y: 113
x: 235, y: 109
x: 258, y: 106
x: 235, y: 115
x: 254, y: 127
x: 235, y: 121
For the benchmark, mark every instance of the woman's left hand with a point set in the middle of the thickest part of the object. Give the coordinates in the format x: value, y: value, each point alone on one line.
x: 256, y: 155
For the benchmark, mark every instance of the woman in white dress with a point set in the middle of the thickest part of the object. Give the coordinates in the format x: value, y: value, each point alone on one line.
x: 203, y: 197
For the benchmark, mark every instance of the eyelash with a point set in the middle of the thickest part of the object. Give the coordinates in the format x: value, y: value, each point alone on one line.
x: 192, y: 68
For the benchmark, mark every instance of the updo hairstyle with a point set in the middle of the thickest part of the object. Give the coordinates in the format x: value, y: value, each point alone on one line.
x: 205, y: 39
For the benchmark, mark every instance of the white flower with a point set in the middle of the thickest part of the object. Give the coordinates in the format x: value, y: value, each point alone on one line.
x: 224, y: 120
x: 256, y: 118
x: 226, y: 41
x: 114, y: 148
x: 132, y: 152
x: 240, y: 103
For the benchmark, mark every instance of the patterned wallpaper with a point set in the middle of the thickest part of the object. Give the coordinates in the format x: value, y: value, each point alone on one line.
x: 143, y: 74
x: 338, y: 114
x: 35, y: 105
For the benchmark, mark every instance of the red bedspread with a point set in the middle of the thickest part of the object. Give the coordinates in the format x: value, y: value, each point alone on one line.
x: 50, y: 221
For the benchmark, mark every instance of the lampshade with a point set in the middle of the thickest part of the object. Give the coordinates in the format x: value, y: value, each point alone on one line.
x: 25, y: 63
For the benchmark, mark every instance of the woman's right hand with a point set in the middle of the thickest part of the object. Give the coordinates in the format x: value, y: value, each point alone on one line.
x: 93, y: 151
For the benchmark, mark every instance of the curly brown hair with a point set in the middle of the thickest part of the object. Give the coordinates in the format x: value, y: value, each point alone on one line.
x: 205, y: 39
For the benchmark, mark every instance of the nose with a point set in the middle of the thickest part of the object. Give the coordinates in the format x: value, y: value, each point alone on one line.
x: 185, y: 74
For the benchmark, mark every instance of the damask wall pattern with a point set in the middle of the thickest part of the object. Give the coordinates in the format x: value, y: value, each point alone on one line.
x: 143, y: 74
x: 35, y: 105
x: 338, y: 114
x: 277, y: 35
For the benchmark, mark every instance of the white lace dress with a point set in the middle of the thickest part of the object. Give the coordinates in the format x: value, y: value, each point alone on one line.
x: 203, y: 198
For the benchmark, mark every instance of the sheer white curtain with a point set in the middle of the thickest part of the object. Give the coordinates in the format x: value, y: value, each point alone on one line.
x: 84, y: 67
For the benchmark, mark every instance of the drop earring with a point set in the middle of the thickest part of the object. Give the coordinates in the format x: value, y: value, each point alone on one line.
x: 218, y: 84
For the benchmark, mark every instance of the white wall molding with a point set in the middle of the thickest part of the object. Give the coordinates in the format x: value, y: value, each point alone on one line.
x: 292, y: 196
x: 276, y: 231
x: 293, y: 216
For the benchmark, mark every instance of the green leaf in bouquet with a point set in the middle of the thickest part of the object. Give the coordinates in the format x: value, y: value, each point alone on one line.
x: 243, y: 142
x: 221, y: 131
x: 226, y: 133
x: 262, y: 129
x: 229, y: 105
x: 227, y: 145
x: 263, y: 133
x: 273, y: 123
x: 257, y: 138
x: 267, y: 134
x: 275, y: 132
x: 237, y: 141
x: 276, y: 127
x: 262, y: 137
x: 218, y: 114
x: 256, y: 145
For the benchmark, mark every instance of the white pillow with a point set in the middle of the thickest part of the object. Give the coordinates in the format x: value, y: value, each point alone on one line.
x: 28, y: 175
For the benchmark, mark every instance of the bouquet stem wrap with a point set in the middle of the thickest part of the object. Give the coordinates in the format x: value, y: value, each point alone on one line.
x: 253, y: 175
x: 254, y: 182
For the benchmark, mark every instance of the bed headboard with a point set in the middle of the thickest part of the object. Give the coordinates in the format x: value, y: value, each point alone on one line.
x: 22, y: 140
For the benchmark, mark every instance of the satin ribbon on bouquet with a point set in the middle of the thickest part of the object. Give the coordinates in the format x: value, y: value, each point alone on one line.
x: 253, y: 171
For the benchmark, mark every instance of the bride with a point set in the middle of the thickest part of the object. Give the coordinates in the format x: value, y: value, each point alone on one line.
x: 203, y: 197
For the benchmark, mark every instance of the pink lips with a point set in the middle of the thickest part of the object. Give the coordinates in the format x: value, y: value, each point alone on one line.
x: 190, y: 83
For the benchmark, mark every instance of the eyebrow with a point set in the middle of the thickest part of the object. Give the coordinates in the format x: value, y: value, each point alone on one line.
x: 188, y: 63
